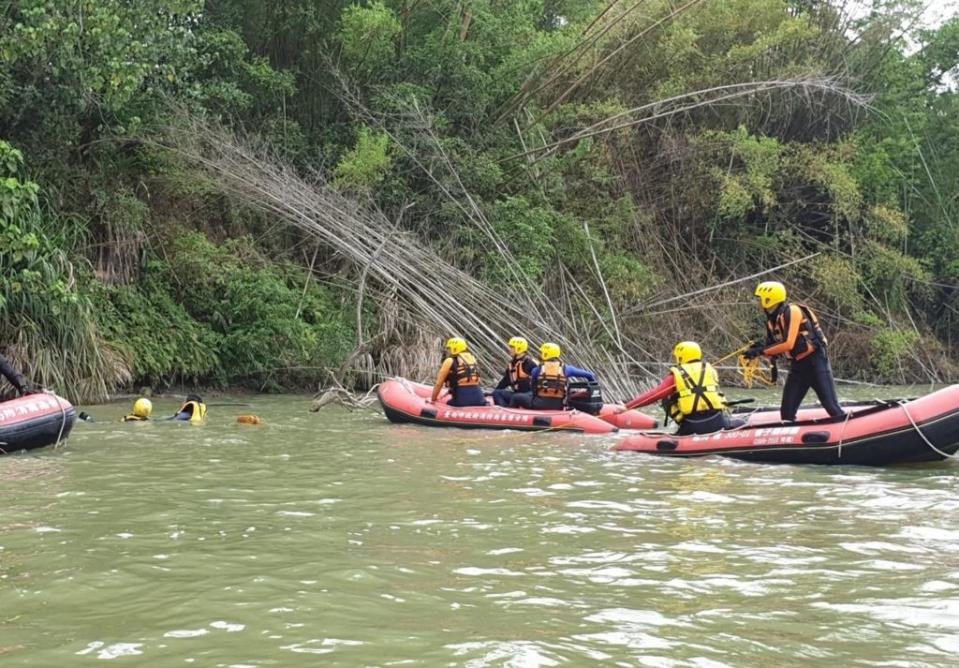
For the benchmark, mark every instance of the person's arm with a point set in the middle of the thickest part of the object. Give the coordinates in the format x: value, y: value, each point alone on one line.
x: 504, y: 381
x: 533, y: 375
x: 441, y: 378
x: 579, y: 373
x: 658, y: 393
x: 529, y: 365
x: 18, y: 381
x: 795, y: 319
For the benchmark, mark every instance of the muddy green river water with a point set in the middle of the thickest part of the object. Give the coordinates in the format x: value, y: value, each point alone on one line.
x: 338, y: 539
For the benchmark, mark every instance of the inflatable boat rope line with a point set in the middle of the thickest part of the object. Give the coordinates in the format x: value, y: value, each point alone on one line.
x: 923, y: 436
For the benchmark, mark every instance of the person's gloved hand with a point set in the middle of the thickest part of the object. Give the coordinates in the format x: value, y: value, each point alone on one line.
x: 754, y: 351
x: 26, y: 389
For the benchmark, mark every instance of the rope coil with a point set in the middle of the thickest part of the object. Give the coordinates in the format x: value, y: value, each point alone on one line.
x: 755, y: 372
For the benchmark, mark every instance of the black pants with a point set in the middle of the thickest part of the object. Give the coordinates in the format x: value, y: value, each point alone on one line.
x: 502, y: 397
x: 527, y: 400
x: 706, y: 422
x: 471, y: 395
x: 813, y: 372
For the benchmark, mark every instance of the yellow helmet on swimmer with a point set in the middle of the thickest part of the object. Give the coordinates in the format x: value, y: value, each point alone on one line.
x: 687, y: 351
x: 770, y: 293
x: 518, y: 344
x: 143, y: 408
x: 456, y: 345
x: 549, y: 351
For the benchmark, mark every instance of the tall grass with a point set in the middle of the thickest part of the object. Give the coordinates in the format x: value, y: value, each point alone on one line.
x: 47, y: 324
x: 54, y: 342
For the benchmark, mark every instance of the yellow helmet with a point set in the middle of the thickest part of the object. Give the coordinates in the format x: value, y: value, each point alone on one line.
x: 456, y: 345
x: 518, y: 344
x: 549, y: 351
x: 770, y: 293
x: 687, y: 351
x: 143, y: 408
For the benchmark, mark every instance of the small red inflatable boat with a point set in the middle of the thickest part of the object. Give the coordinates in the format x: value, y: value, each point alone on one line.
x: 877, y: 434
x: 406, y: 401
x: 34, y: 421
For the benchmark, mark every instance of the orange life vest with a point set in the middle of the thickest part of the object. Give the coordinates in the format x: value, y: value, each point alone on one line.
x: 463, y: 372
x: 517, y: 370
x: 551, y: 381
x: 811, y: 337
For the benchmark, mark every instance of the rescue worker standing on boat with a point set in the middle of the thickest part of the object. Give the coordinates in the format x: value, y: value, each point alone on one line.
x: 690, y: 394
x: 548, y: 381
x: 460, y: 374
x: 793, y: 330
x: 16, y: 379
x: 517, y: 375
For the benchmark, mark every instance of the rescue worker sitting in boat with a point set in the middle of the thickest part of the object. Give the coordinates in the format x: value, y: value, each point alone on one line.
x: 517, y: 375
x: 549, y: 381
x: 793, y: 330
x: 16, y: 379
x: 459, y: 372
x: 142, y: 410
x: 193, y: 410
x: 690, y: 394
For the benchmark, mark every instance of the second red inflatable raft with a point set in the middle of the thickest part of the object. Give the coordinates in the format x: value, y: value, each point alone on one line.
x: 406, y: 401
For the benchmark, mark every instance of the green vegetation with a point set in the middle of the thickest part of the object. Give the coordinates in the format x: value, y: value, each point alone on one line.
x: 716, y: 140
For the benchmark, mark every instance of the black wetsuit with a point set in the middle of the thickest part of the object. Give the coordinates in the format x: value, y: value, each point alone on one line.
x: 812, y: 372
x: 707, y: 422
x: 11, y: 374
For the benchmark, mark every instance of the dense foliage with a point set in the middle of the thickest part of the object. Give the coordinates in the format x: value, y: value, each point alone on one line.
x: 746, y: 135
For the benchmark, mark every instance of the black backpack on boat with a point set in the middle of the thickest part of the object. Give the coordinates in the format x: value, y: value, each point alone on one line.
x: 584, y: 395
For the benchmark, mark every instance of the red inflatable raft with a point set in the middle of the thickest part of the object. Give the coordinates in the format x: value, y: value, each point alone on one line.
x: 878, y: 434
x: 405, y: 401
x: 34, y: 421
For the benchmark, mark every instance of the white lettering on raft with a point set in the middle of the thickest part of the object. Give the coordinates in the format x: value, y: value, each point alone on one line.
x: 763, y: 436
x: 487, y: 417
x: 26, y: 409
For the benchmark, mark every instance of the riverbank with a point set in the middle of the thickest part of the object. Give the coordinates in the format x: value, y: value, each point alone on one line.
x: 257, y: 215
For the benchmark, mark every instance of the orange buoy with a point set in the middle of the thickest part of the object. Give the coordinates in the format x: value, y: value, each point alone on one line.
x: 249, y: 419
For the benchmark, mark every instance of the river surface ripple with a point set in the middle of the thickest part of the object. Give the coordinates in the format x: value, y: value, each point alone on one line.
x: 338, y: 539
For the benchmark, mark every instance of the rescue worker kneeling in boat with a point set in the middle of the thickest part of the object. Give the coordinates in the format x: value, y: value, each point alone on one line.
x: 193, y: 410
x: 142, y: 410
x: 549, y: 381
x: 690, y: 394
x: 460, y: 374
x: 793, y: 330
x: 517, y: 375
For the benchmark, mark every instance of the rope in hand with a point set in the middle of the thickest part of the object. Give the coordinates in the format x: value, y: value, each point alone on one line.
x: 754, y: 372
x: 738, y: 351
